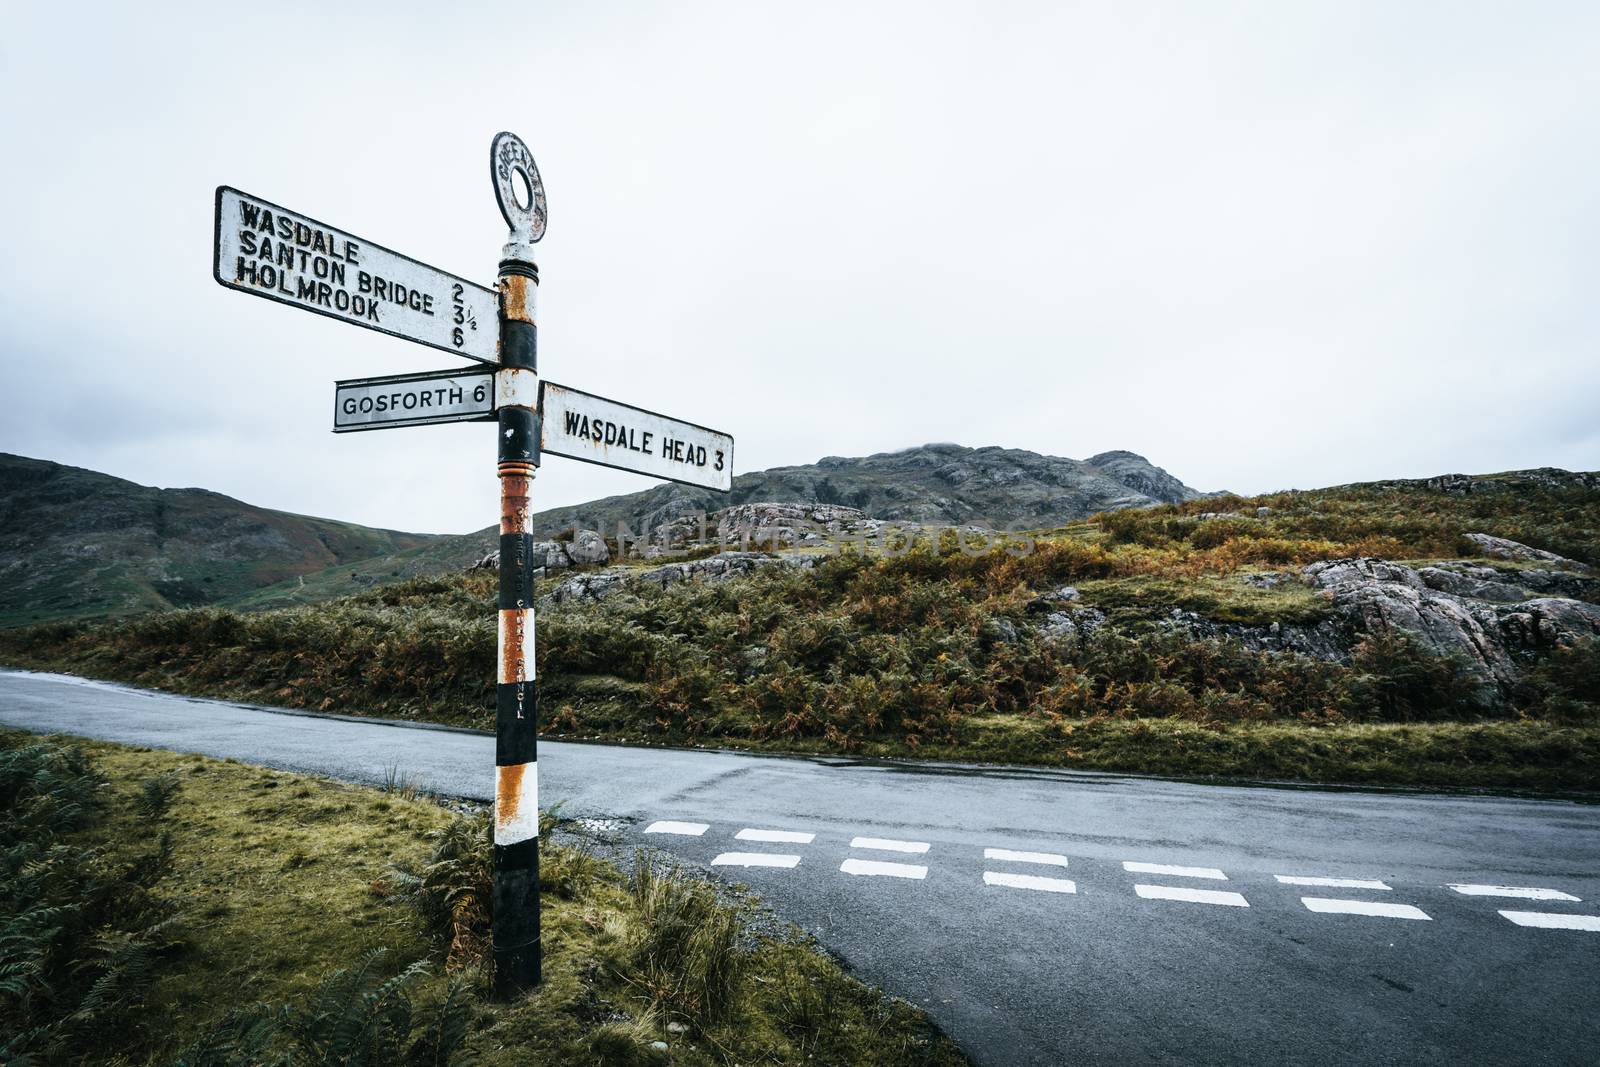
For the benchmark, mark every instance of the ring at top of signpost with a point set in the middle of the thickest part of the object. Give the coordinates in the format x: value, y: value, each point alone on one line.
x: 518, y: 188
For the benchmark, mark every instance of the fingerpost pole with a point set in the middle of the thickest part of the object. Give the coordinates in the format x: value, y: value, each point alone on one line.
x: 515, y: 900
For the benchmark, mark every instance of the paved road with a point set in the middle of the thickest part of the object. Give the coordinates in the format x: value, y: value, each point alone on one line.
x: 1057, y: 918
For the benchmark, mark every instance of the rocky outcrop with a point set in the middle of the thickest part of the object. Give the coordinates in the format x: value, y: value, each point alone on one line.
x: 1500, y: 548
x: 1536, y: 479
x: 585, y: 548
x: 597, y: 585
x: 936, y: 483
x: 1493, y: 620
x: 768, y: 525
x: 1071, y: 624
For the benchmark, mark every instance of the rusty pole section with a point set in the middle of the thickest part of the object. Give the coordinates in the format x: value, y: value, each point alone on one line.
x: 517, y: 952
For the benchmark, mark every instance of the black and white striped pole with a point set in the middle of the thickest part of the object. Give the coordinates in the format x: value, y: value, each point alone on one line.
x: 515, y: 901
x: 253, y: 251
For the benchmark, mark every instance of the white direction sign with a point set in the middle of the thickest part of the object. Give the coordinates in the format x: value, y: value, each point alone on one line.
x: 270, y: 251
x: 583, y: 426
x: 412, y: 400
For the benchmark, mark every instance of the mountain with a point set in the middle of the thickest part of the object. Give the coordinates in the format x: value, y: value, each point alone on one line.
x: 75, y: 542
x: 933, y: 483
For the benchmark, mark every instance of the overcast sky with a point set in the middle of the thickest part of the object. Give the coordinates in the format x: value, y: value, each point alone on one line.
x: 1264, y: 245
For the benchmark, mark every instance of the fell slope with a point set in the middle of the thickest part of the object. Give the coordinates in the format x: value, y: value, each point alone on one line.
x: 141, y: 549
x: 931, y: 483
x: 75, y: 542
x: 1442, y: 632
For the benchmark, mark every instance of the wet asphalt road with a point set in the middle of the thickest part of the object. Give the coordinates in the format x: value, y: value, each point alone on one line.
x: 1045, y: 952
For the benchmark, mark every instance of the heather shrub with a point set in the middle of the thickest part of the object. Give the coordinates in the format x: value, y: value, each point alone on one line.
x: 1567, y: 682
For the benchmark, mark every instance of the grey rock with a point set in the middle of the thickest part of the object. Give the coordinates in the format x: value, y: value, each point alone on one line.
x: 553, y: 554
x: 597, y: 585
x: 1001, y: 630
x: 1474, y: 613
x: 1502, y: 548
x: 1053, y: 600
x: 544, y: 556
x: 1269, y: 579
x: 1478, y: 583
x: 588, y: 547
x: 1558, y: 583
x: 768, y: 525
x: 1548, y: 622
x: 1073, y: 624
x: 1337, y: 573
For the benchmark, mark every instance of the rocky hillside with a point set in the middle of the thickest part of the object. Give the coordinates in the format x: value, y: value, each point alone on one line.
x: 74, y: 542
x: 1439, y: 632
x: 933, y: 483
x: 939, y: 483
x: 140, y: 548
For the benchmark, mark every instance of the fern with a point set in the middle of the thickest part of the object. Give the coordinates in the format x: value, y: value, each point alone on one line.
x: 445, y: 1030
x: 354, y: 1019
x: 81, y: 937
x: 156, y: 794
x: 240, y: 1039
x: 451, y: 891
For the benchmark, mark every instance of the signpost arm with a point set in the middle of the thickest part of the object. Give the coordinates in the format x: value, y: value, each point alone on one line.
x: 517, y: 951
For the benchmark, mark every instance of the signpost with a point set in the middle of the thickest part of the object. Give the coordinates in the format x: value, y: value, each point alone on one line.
x: 583, y: 426
x: 413, y: 400
x: 270, y: 251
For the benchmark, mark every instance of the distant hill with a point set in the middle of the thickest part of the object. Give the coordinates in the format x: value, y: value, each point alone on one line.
x: 74, y: 542
x: 932, y: 483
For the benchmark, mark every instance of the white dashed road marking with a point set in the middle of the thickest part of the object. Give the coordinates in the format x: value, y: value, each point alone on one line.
x: 1518, y: 891
x: 1177, y: 872
x: 1030, y: 881
x: 1550, y: 920
x: 889, y: 870
x: 1008, y: 856
x: 884, y: 844
x: 1364, y: 907
x: 792, y: 837
x: 1332, y: 883
x: 754, y: 859
x: 1195, y: 896
x: 1037, y: 883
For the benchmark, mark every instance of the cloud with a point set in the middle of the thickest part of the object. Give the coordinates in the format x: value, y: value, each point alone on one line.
x: 1264, y: 247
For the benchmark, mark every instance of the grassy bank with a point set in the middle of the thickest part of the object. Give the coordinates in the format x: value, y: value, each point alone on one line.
x: 938, y: 652
x: 161, y: 908
x: 668, y: 668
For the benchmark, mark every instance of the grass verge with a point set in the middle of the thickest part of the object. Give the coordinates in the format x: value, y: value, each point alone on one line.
x: 163, y: 908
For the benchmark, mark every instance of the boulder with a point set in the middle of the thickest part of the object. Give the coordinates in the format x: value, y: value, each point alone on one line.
x: 1054, y: 599
x: 1073, y: 624
x: 1502, y: 548
x: 588, y: 547
x: 1478, y: 583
